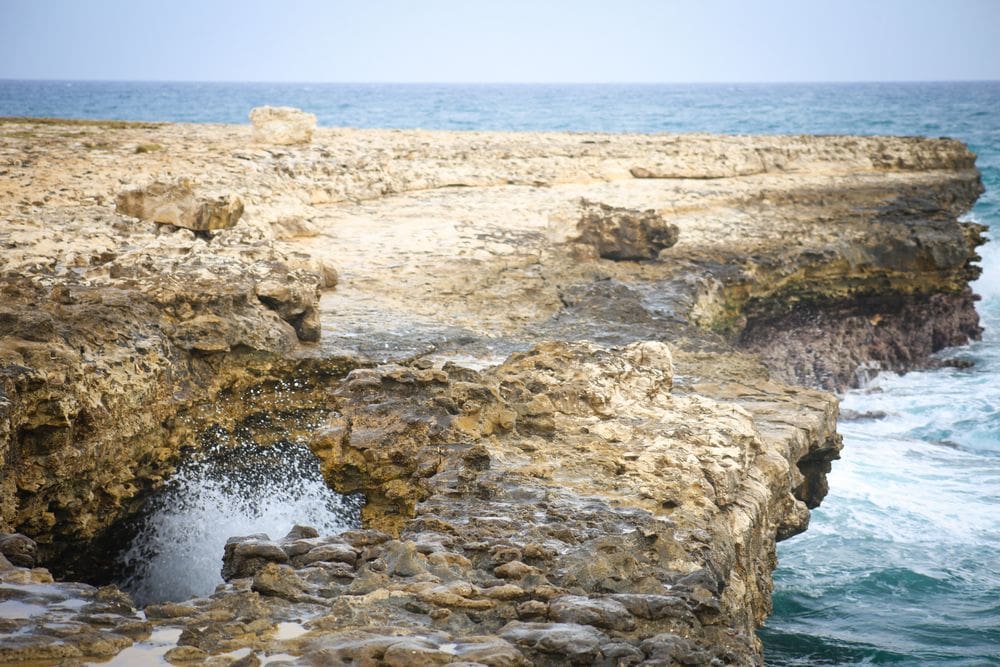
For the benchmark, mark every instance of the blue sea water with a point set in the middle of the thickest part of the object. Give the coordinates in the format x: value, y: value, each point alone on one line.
x: 901, y: 564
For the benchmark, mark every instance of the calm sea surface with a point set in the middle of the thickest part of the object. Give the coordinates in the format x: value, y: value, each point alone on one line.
x: 901, y: 564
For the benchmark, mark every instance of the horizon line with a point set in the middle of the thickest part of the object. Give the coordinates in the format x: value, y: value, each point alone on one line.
x: 502, y: 83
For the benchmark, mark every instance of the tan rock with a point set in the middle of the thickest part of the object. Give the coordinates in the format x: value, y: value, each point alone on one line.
x: 282, y: 125
x: 622, y: 233
x: 575, y: 466
x: 19, y: 550
x: 179, y: 204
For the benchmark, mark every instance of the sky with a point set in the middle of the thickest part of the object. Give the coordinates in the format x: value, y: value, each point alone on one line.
x: 559, y: 41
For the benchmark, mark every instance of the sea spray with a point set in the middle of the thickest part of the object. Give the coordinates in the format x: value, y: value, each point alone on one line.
x: 221, y: 492
x: 899, y: 564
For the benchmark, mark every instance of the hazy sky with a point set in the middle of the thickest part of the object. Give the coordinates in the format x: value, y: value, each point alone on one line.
x: 501, y: 40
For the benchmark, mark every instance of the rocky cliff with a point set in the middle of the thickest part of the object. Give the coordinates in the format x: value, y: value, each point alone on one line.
x: 570, y: 373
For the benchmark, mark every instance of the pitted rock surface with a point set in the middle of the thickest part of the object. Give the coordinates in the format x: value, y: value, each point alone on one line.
x: 178, y: 204
x: 566, y: 456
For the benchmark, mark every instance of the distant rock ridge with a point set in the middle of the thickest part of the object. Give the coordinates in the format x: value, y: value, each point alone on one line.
x: 580, y: 427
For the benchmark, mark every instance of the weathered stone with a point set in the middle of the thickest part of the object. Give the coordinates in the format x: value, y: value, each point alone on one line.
x: 670, y: 649
x: 169, y: 610
x: 599, y: 612
x: 282, y: 125
x: 279, y: 581
x: 622, y: 233
x: 244, y: 556
x: 653, y: 607
x: 19, y: 549
x: 328, y: 553
x: 301, y: 533
x: 514, y: 569
x: 493, y: 652
x: 572, y: 465
x: 180, y: 655
x: 578, y: 644
x: 180, y: 205
x: 532, y: 609
x: 415, y: 653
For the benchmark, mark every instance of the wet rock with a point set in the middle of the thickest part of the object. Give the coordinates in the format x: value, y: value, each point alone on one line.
x: 653, y: 607
x: 244, y: 556
x: 301, y: 533
x: 180, y: 655
x: 600, y: 612
x: 403, y: 559
x: 514, y: 569
x: 45, y: 622
x: 280, y: 581
x: 169, y: 610
x: 578, y: 644
x: 623, y: 233
x: 328, y: 553
x: 532, y: 609
x: 179, y: 204
x: 19, y: 550
x: 364, y: 538
x: 493, y: 652
x: 415, y: 652
x: 670, y: 649
x: 282, y: 125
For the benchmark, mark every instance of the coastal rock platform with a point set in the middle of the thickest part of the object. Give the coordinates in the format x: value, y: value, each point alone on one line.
x: 581, y: 380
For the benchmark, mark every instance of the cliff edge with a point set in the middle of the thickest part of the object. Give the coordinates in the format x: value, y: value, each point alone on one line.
x: 578, y: 378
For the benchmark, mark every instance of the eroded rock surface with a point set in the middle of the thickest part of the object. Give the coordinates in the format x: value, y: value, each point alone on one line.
x: 567, y: 454
x: 180, y: 205
x: 282, y: 125
x: 621, y: 233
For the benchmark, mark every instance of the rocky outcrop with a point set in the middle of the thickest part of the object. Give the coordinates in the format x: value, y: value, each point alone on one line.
x: 623, y: 234
x: 567, y: 503
x: 563, y: 454
x: 282, y: 125
x: 178, y: 204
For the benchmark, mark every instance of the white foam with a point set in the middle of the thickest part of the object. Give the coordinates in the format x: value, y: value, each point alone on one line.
x: 177, y: 554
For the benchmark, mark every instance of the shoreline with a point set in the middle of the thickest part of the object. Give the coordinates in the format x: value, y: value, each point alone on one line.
x: 408, y: 253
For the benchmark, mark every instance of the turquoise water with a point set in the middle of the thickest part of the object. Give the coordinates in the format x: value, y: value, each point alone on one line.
x: 901, y: 564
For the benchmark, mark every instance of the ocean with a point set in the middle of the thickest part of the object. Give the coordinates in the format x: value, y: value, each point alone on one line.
x: 901, y: 564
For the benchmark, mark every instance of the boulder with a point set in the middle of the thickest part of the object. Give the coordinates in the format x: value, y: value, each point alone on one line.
x: 19, y: 549
x: 573, y: 643
x: 180, y: 205
x: 245, y: 556
x: 601, y: 613
x: 624, y: 233
x: 282, y: 125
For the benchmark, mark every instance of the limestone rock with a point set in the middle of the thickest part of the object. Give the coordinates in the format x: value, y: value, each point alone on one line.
x: 578, y: 644
x: 244, y: 556
x: 623, y: 233
x: 601, y: 613
x: 282, y: 125
x: 573, y: 468
x: 179, y: 204
x: 19, y: 549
